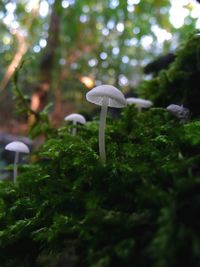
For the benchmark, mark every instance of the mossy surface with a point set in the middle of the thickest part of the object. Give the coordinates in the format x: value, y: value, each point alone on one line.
x: 179, y: 84
x: 135, y: 210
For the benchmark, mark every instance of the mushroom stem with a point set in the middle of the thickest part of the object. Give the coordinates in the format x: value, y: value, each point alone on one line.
x: 74, y: 128
x: 102, y: 125
x: 15, y: 166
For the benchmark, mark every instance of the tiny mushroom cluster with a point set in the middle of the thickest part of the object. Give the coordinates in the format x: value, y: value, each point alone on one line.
x: 17, y: 147
x: 75, y: 118
x: 105, y: 96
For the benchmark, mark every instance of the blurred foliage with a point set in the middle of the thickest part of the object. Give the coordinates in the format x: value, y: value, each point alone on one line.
x: 68, y: 206
x: 39, y: 121
x: 179, y: 84
x: 108, y: 41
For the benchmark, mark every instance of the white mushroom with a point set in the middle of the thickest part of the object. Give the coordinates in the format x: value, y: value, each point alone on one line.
x: 180, y: 112
x: 105, y: 96
x: 17, y: 147
x: 74, y: 117
x: 139, y: 102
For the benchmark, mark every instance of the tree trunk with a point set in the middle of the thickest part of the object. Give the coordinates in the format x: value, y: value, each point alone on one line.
x: 39, y: 97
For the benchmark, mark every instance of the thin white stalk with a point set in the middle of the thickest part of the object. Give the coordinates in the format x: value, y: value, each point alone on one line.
x: 15, y: 166
x: 74, y: 128
x: 102, y: 125
x: 139, y: 108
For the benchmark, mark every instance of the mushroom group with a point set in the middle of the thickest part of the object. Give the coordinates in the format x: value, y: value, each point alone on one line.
x: 105, y: 96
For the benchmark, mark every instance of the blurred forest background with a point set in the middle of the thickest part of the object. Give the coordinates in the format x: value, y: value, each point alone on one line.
x: 69, y: 46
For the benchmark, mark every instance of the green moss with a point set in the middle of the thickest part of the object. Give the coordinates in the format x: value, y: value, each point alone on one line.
x: 68, y: 204
x: 179, y: 84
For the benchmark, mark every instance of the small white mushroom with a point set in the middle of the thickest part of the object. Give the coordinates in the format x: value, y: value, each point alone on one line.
x: 139, y: 102
x: 105, y: 96
x: 180, y: 112
x: 75, y: 117
x: 17, y: 147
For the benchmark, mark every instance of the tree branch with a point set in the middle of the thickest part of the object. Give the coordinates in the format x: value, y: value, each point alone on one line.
x: 21, y: 50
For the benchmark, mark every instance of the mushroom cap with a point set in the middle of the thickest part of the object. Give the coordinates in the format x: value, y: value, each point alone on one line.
x: 139, y: 102
x: 17, y: 146
x: 115, y: 96
x: 174, y: 108
x: 75, y: 117
x: 179, y: 111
